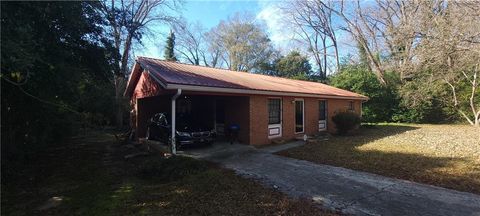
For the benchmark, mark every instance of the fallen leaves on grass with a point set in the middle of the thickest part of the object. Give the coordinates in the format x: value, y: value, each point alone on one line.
x: 93, y: 178
x: 211, y: 191
x: 442, y: 155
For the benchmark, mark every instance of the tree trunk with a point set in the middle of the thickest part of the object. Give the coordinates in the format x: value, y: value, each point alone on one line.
x: 324, y: 44
x: 374, y: 63
x: 125, y: 56
x: 337, y: 60
x: 119, y: 80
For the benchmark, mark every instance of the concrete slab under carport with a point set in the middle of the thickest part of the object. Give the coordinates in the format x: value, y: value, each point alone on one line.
x: 224, y: 149
x: 217, y: 150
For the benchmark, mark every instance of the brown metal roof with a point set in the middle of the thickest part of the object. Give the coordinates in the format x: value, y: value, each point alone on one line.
x: 169, y: 73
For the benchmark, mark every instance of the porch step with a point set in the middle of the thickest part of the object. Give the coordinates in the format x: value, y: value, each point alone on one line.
x: 322, y: 136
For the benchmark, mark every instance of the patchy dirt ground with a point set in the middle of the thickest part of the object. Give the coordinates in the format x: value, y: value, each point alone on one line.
x: 89, y: 176
x: 441, y: 155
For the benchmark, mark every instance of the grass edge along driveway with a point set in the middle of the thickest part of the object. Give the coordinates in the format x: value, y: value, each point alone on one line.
x: 441, y: 155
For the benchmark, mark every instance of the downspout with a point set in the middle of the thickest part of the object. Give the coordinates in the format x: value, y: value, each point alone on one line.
x: 174, y: 130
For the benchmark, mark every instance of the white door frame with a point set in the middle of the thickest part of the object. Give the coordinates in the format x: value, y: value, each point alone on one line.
x: 322, y: 124
x: 275, y: 130
x: 295, y: 117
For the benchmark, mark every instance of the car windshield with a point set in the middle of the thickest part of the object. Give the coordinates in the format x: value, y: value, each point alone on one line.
x: 189, y: 121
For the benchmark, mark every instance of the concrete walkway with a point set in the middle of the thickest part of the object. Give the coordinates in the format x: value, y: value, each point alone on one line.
x: 349, y: 191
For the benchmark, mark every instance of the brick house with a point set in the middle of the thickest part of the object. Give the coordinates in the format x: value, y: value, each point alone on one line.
x: 265, y: 107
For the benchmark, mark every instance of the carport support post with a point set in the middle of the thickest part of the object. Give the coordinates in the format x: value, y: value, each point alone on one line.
x: 174, y: 130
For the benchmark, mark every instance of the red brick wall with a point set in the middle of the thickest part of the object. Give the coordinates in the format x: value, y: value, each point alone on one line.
x: 311, y: 115
x: 335, y: 106
x: 259, y: 117
x: 258, y: 120
x: 288, y: 118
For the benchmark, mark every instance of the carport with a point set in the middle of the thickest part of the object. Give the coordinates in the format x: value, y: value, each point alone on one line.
x: 215, y: 111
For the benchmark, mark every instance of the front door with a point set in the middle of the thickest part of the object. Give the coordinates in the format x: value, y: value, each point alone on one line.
x: 299, y: 116
x: 322, y: 115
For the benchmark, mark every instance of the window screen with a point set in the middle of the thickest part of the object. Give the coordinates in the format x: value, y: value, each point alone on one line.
x: 274, y: 111
x: 322, y: 115
x: 299, y: 116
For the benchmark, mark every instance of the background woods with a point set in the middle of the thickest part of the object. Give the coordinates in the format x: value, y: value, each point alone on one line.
x: 55, y: 69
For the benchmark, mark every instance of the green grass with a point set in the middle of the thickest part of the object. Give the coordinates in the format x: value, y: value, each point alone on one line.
x: 92, y: 178
x: 441, y: 155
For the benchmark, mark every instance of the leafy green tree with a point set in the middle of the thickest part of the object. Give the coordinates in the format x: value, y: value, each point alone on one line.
x: 294, y: 65
x: 170, y: 48
x: 383, y: 100
x: 56, y: 70
x: 423, y: 101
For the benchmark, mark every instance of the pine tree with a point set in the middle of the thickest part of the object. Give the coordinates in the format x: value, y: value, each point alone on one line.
x: 362, y: 53
x: 169, y: 48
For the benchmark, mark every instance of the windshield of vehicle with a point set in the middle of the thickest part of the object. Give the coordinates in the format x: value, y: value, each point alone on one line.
x: 186, y: 121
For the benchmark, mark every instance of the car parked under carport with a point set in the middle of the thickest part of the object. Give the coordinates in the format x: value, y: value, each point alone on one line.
x: 189, y: 131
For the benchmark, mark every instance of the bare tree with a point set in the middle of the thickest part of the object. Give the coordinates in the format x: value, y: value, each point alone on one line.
x: 243, y: 44
x: 127, y: 21
x: 314, y: 22
x: 212, y: 56
x: 190, y: 41
x: 359, y: 27
x: 449, y: 44
x: 395, y: 24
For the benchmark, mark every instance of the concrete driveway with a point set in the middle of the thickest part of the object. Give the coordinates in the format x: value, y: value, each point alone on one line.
x: 348, y: 191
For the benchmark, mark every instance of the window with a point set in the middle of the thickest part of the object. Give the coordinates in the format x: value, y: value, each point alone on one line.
x: 351, y: 106
x: 274, y: 111
x: 322, y: 108
x: 299, y: 121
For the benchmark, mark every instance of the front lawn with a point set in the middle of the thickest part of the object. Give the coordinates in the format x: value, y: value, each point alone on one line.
x: 89, y: 176
x: 441, y: 155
